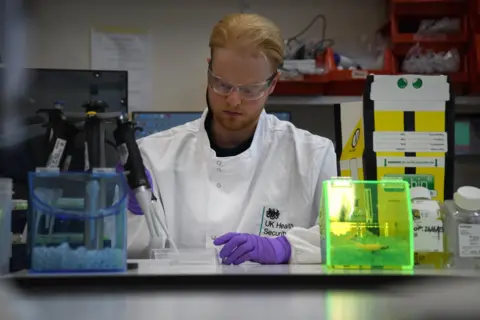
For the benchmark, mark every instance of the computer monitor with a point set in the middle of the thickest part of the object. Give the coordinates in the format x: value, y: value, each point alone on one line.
x: 467, y: 150
x: 75, y: 87
x: 467, y: 135
x: 153, y: 122
x: 285, y: 116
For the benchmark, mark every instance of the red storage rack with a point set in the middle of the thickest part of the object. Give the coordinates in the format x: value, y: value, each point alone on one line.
x: 310, y: 85
x: 460, y: 80
x: 409, y: 13
x: 474, y: 56
x: 351, y: 82
x: 474, y: 50
x: 474, y: 15
x: 405, y: 17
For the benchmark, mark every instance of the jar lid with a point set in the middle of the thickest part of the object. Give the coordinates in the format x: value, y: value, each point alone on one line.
x: 467, y: 198
x: 420, y: 193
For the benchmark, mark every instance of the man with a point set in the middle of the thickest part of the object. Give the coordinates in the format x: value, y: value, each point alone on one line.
x: 237, y: 177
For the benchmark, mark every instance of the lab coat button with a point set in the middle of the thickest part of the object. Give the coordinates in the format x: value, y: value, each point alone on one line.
x: 219, y: 170
x: 219, y: 162
x: 219, y: 185
x: 213, y: 237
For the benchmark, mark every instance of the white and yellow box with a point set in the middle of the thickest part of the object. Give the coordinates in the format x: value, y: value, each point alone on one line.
x: 403, y: 128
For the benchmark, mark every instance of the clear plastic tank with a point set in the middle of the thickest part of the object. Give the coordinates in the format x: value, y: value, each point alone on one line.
x: 77, y: 222
x: 5, y: 225
x: 462, y: 228
x: 368, y: 224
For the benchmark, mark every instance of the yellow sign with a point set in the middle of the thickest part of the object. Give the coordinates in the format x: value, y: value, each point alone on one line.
x: 355, y: 144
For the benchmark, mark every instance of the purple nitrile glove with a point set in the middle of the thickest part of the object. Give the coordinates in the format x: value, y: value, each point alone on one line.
x: 241, y: 247
x: 133, y: 205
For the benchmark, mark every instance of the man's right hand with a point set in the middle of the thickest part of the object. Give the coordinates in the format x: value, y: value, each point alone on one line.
x: 133, y: 205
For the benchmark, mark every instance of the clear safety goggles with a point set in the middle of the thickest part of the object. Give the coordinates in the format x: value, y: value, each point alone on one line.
x: 248, y: 92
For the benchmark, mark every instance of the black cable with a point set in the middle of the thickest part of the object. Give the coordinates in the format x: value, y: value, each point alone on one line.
x: 323, y: 44
x: 310, y: 25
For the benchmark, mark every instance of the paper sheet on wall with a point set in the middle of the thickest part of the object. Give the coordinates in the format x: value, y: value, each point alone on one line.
x: 130, y: 51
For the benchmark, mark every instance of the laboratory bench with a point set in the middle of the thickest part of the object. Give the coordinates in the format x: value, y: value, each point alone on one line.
x: 153, y: 274
x: 152, y: 267
x: 155, y: 267
x: 247, y: 291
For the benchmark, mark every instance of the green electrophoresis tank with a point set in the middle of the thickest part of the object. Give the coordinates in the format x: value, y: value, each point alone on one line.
x: 367, y: 224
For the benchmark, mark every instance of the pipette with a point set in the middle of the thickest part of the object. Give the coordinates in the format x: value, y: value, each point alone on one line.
x: 131, y: 160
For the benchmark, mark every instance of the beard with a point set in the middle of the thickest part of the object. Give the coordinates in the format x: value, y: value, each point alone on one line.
x: 229, y: 122
x: 234, y: 123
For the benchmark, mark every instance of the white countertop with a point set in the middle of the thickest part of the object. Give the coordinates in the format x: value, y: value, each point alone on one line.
x: 155, y: 267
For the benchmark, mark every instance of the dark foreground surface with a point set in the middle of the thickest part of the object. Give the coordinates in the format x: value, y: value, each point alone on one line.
x: 237, y: 296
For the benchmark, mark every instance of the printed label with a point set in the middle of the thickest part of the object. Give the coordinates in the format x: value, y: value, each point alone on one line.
x: 56, y: 155
x: 469, y: 240
x: 384, y: 141
x: 86, y: 158
x: 103, y: 170
x: 123, y: 153
x: 47, y: 170
x: 427, y: 228
x: 18, y: 204
x: 416, y: 180
x: 411, y: 162
x: 359, y: 74
x: 274, y: 223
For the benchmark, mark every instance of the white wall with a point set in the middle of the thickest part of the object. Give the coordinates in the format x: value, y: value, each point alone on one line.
x: 60, y: 33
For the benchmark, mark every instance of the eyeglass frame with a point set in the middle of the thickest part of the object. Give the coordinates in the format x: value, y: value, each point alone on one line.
x: 268, y: 82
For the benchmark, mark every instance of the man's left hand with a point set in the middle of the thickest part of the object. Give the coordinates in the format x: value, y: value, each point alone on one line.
x: 241, y: 247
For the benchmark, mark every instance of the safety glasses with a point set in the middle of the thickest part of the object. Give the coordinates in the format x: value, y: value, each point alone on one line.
x: 248, y: 92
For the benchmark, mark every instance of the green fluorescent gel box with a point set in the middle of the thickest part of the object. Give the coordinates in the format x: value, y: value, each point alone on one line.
x: 367, y: 224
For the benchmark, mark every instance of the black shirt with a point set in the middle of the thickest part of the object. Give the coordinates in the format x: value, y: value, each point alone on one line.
x: 224, y: 152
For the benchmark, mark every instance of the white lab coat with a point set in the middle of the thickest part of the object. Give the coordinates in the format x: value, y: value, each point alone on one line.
x: 271, y: 189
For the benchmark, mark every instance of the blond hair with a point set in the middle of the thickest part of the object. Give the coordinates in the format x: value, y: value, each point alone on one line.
x: 249, y: 31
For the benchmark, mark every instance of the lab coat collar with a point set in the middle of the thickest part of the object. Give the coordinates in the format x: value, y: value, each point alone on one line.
x: 255, y: 147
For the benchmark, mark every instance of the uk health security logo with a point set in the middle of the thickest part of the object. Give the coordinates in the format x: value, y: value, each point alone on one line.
x: 273, y: 214
x: 274, y: 223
